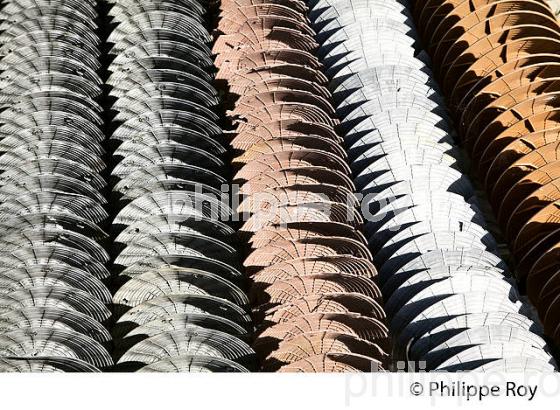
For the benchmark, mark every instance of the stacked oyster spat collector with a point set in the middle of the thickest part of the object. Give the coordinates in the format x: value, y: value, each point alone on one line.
x: 180, y: 304
x: 448, y: 299
x: 55, y: 304
x: 498, y: 66
x: 315, y: 301
x: 278, y: 185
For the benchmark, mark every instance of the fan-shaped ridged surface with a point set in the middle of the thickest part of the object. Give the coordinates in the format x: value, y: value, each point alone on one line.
x: 278, y: 185
x: 499, y: 71
x: 53, y: 277
x: 305, y: 251
x: 180, y: 303
x: 436, y: 258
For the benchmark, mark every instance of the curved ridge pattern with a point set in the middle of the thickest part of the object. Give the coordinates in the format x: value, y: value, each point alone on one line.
x: 499, y: 69
x: 449, y: 302
x: 54, y: 298
x: 315, y: 300
x: 179, y: 303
